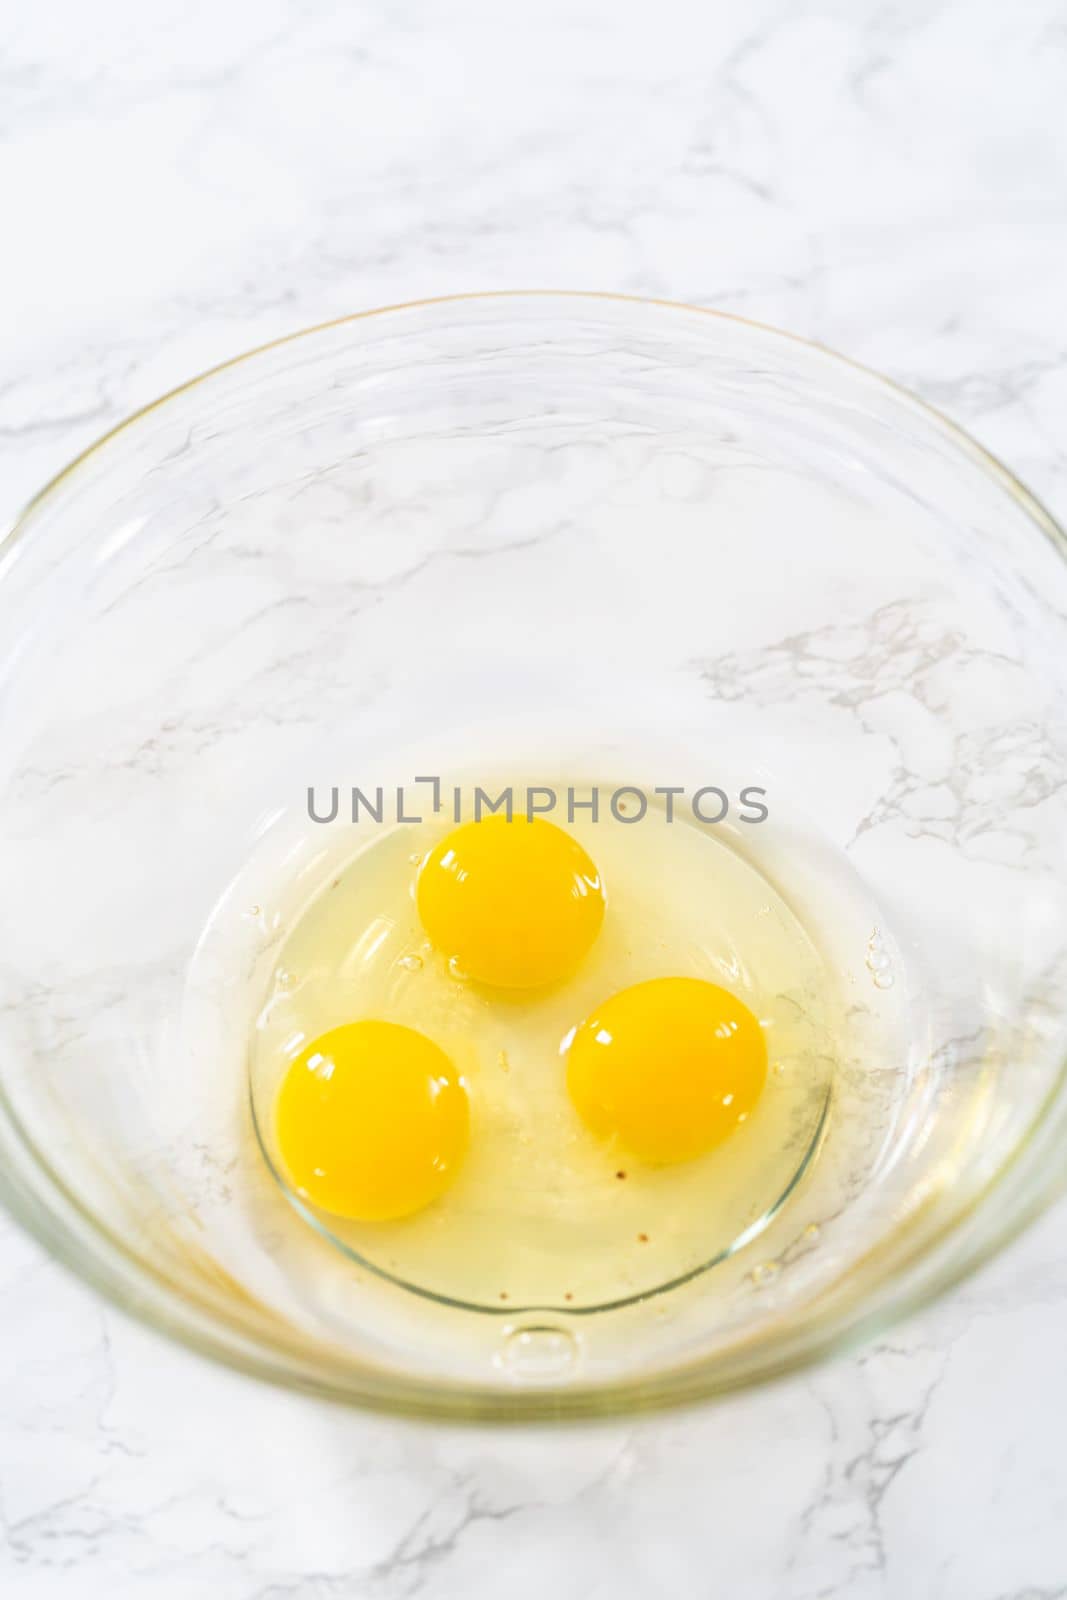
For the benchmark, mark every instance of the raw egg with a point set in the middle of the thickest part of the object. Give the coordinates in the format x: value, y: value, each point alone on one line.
x: 670, y: 1067
x: 515, y: 904
x: 372, y: 1121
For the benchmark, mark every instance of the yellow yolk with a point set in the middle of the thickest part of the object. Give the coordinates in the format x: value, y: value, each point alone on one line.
x: 513, y: 904
x: 372, y: 1121
x: 669, y: 1067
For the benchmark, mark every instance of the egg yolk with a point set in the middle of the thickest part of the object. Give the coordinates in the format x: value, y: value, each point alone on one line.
x: 512, y: 904
x: 669, y: 1067
x: 372, y: 1121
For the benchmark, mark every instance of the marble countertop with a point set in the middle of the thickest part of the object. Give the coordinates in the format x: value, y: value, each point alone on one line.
x: 183, y: 181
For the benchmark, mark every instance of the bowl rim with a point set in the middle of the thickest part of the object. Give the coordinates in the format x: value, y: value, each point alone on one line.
x: 81, y: 1242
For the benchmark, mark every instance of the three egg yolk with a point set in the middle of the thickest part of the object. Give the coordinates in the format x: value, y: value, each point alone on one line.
x: 372, y: 1119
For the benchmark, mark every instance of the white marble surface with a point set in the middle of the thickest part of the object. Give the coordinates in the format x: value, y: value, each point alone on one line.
x: 180, y: 182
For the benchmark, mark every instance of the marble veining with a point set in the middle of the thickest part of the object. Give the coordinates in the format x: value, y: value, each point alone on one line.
x: 181, y: 185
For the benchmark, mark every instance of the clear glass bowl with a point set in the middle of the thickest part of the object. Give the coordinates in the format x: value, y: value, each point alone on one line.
x: 688, y: 546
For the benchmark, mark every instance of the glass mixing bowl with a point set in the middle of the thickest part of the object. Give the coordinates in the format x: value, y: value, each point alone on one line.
x: 686, y: 549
